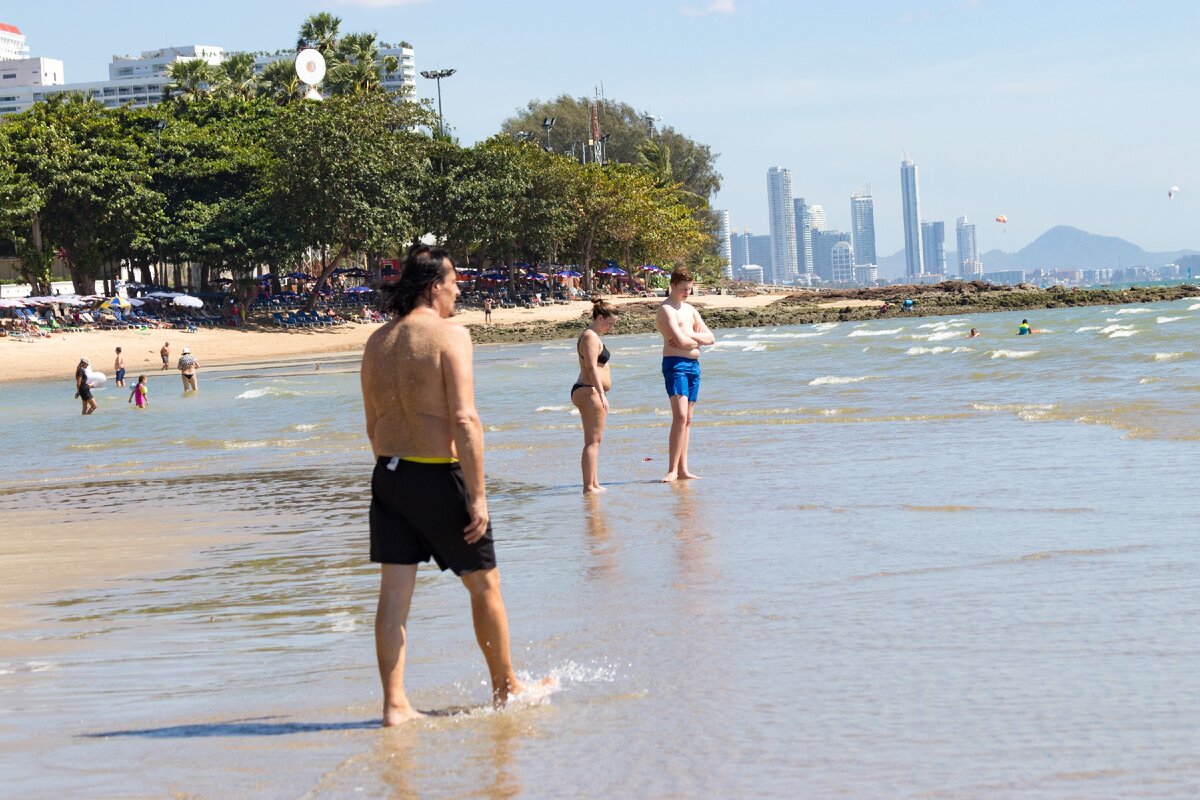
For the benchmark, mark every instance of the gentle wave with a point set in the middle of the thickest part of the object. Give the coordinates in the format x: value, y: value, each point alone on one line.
x: 1121, y: 334
x: 889, y: 332
x: 553, y: 408
x: 744, y: 346
x: 1165, y: 320
x: 1134, y: 311
x: 1112, y: 328
x: 829, y: 380
x: 828, y: 326
x: 784, y: 335
x: 1087, y: 328
x: 1194, y: 307
x: 1168, y: 356
x: 943, y: 335
x: 270, y: 391
x: 920, y: 351
x: 1014, y: 353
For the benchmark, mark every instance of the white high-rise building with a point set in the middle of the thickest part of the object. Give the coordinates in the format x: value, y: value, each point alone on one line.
x: 969, y: 265
x: 862, y: 226
x: 933, y: 247
x: 804, y: 256
x: 782, y: 224
x: 724, y: 244
x: 12, y: 43
x: 841, y: 260
x: 910, y: 196
x: 816, y: 218
x: 139, y: 81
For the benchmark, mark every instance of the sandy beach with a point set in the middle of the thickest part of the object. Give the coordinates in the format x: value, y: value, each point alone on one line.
x: 56, y: 356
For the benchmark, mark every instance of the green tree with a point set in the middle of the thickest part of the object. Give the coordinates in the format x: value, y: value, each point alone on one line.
x: 237, y: 77
x: 320, y: 32
x: 20, y: 220
x: 356, y: 67
x: 279, y: 81
x: 344, y: 174
x: 191, y: 80
x: 693, y: 165
x: 92, y: 169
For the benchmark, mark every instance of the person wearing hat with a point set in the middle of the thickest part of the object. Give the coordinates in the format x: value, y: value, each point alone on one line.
x: 82, y: 390
x: 187, y: 370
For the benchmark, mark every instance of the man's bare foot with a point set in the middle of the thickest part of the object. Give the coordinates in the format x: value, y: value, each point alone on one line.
x: 594, y: 489
x: 670, y: 477
x: 398, y: 715
x: 526, y: 692
x: 688, y: 476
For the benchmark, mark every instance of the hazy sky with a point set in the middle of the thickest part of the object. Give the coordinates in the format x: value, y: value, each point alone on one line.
x: 1077, y: 113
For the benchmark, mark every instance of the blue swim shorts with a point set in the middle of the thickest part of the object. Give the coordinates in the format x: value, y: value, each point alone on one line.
x: 682, y: 376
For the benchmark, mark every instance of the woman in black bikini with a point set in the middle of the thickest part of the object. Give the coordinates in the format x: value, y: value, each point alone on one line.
x: 590, y: 392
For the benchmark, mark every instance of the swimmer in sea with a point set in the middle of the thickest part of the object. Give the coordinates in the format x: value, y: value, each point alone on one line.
x: 590, y: 392
x: 683, y: 332
x: 973, y: 334
x: 428, y: 498
x: 1024, y: 329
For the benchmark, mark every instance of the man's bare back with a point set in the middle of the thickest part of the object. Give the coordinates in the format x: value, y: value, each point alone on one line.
x: 407, y: 413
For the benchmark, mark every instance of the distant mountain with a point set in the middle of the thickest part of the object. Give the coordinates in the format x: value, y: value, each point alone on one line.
x: 1061, y: 247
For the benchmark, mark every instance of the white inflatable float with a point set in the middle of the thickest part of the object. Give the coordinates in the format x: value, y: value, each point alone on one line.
x: 95, y: 379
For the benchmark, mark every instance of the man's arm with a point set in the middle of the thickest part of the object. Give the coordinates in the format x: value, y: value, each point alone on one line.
x: 700, y: 331
x: 672, y: 329
x: 459, y: 381
x: 371, y: 414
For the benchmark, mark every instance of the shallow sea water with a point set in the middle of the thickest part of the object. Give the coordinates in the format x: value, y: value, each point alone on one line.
x: 917, y: 566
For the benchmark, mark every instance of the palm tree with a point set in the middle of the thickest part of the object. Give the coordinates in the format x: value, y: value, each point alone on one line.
x: 356, y: 68
x: 191, y: 80
x: 280, y: 82
x: 320, y: 32
x: 238, y: 73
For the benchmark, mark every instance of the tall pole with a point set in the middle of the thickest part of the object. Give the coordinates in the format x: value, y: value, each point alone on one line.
x: 437, y: 75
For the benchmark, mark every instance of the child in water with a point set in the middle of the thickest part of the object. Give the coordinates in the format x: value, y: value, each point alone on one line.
x: 139, y: 393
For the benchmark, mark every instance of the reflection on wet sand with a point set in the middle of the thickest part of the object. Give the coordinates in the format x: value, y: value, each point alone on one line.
x: 604, y: 549
x: 693, y: 535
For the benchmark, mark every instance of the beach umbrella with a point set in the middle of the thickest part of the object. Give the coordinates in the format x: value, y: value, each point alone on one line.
x: 135, y: 302
x: 611, y: 271
x: 187, y: 301
x: 303, y: 276
x: 357, y: 273
x: 568, y: 273
x: 12, y: 302
x: 493, y: 276
x: 221, y: 281
x: 536, y: 276
x: 357, y: 289
x: 118, y: 301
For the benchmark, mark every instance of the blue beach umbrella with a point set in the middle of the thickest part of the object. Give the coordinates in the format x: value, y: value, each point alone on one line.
x: 357, y: 289
x: 611, y: 271
x: 568, y: 273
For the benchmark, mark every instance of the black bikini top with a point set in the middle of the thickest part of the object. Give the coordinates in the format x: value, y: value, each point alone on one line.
x: 604, y: 354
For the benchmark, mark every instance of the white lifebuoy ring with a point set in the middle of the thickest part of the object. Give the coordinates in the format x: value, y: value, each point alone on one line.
x: 95, y: 379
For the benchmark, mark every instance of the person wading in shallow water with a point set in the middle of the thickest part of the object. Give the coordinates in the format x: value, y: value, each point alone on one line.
x: 427, y: 490
x: 590, y: 392
x: 683, y: 333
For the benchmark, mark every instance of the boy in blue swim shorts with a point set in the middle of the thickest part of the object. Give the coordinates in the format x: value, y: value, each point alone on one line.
x: 684, y: 333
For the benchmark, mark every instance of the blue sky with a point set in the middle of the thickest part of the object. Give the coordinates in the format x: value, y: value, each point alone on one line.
x: 1048, y: 112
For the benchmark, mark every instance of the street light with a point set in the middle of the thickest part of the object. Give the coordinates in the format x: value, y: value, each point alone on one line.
x: 547, y: 124
x: 437, y: 75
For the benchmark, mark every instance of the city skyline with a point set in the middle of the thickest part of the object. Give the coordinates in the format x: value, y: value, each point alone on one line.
x: 1044, y: 113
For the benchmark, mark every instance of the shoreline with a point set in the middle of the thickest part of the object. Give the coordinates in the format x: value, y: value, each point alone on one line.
x: 54, y: 358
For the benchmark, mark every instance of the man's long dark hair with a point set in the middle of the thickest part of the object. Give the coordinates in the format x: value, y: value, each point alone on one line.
x: 423, y: 267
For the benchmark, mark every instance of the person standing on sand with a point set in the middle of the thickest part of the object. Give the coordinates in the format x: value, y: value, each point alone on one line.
x: 119, y: 368
x: 427, y: 490
x: 683, y: 332
x: 165, y: 352
x: 187, y: 370
x: 590, y: 392
x: 487, y: 311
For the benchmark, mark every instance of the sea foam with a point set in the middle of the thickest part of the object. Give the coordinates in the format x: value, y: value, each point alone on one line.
x: 1013, y: 353
x: 1121, y: 334
x: 920, y: 351
x: 888, y: 332
x: 1134, y: 311
x: 1165, y: 320
x: 828, y: 380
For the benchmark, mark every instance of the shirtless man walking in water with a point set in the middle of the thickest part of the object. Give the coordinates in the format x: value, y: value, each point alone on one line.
x: 683, y: 332
x: 427, y: 492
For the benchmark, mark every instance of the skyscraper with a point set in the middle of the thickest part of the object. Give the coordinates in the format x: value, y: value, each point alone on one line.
x: 816, y: 217
x: 933, y: 247
x: 724, y: 245
x: 841, y: 261
x: 969, y: 265
x: 783, y: 225
x: 911, y: 199
x: 823, y: 244
x: 862, y: 226
x: 739, y: 245
x: 759, y: 248
x: 804, y: 262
